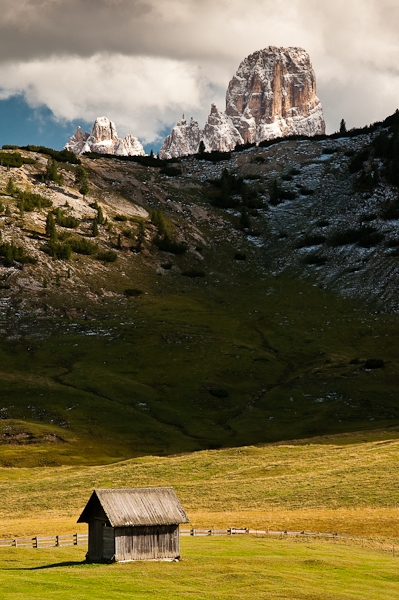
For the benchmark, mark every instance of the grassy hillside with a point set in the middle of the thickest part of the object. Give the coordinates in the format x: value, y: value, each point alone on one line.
x: 212, y: 568
x: 201, y: 305
x: 345, y: 484
x: 217, y: 365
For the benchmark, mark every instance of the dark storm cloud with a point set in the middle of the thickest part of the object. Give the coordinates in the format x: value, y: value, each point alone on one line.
x: 193, y: 46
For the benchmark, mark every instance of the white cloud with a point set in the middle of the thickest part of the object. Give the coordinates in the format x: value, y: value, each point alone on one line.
x: 144, y: 62
x: 142, y: 94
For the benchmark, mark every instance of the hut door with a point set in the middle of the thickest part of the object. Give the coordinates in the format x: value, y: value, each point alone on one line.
x: 108, y: 543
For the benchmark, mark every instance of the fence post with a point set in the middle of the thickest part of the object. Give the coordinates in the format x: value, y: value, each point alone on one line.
x: 75, y: 539
x: 36, y: 542
x: 57, y: 541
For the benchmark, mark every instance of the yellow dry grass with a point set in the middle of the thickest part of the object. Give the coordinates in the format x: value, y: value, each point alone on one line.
x: 346, y: 485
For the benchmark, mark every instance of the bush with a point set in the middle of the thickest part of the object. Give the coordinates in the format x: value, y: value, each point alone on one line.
x: 14, y: 159
x: 82, y: 245
x: 304, y: 191
x: 240, y: 256
x: 357, y: 162
x: 166, y: 244
x: 374, y: 363
x: 65, y: 220
x: 107, y: 256
x: 167, y: 266
x: 193, y: 273
x: 58, y: 250
x: 28, y: 201
x: 314, y: 259
x: 133, y: 292
x: 311, y: 240
x: 121, y: 218
x: 171, y: 171
x: 65, y: 156
x: 11, y: 253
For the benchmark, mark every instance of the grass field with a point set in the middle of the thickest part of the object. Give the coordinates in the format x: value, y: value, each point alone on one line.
x: 219, y: 568
x: 218, y: 365
x: 345, y: 484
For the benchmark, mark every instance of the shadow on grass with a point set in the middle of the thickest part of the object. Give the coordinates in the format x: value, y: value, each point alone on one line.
x: 72, y: 563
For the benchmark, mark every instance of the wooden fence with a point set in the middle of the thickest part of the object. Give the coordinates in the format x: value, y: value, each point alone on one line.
x: 51, y: 541
x: 80, y: 539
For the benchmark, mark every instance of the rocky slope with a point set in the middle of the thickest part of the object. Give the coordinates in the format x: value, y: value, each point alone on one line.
x: 104, y: 140
x: 272, y: 95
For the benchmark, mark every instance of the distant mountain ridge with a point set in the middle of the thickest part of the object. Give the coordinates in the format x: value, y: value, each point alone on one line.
x: 104, y: 140
x: 272, y: 95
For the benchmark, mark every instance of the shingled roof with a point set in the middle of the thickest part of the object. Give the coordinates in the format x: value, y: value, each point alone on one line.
x: 137, y: 506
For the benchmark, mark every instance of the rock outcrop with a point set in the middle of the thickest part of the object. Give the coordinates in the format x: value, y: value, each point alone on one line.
x: 104, y: 140
x: 276, y: 88
x: 183, y: 140
x: 273, y: 94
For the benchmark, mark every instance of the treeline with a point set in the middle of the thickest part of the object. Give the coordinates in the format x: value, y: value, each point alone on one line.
x: 64, y: 156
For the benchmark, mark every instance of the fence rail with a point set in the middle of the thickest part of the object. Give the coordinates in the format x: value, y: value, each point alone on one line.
x: 80, y: 539
x: 50, y: 541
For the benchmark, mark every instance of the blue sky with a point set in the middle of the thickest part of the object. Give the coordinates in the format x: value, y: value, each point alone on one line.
x: 22, y: 125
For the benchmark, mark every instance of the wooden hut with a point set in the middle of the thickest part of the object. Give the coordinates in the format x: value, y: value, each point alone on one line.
x: 133, y: 524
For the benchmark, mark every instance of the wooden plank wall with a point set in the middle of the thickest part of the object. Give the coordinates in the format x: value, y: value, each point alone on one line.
x: 148, y: 543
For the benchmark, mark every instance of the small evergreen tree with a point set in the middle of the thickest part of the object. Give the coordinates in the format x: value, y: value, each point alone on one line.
x: 141, y: 236
x: 100, y: 215
x: 84, y: 188
x: 95, y: 228
x: 51, y: 173
x: 119, y: 241
x: 342, y: 127
x: 245, y: 221
x: 201, y: 148
x: 10, y: 189
x: 8, y: 211
x: 51, y: 230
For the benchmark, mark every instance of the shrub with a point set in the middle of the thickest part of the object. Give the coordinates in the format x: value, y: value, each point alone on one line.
x: 14, y: 159
x: 166, y: 244
x: 28, y: 200
x: 171, y: 171
x: 167, y: 266
x: 57, y: 250
x: 311, y: 240
x: 107, y: 256
x: 357, y: 162
x: 133, y: 292
x: 121, y: 218
x: 65, y: 156
x: 193, y: 273
x: 82, y: 245
x: 314, y: 259
x: 65, y: 220
x: 240, y: 256
x: 323, y: 223
x: 304, y: 191
x: 12, y: 252
x: 374, y: 363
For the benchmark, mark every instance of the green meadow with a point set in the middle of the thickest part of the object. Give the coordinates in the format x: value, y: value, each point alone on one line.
x: 221, y: 568
x: 203, y: 365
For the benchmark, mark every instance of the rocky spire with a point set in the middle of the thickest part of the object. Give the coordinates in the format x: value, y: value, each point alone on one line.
x: 104, y: 140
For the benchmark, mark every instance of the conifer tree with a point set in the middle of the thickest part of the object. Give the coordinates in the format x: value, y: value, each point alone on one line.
x: 10, y: 189
x: 100, y: 215
x: 95, y: 228
x: 51, y: 230
x: 8, y: 211
x: 141, y: 236
x: 342, y: 127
